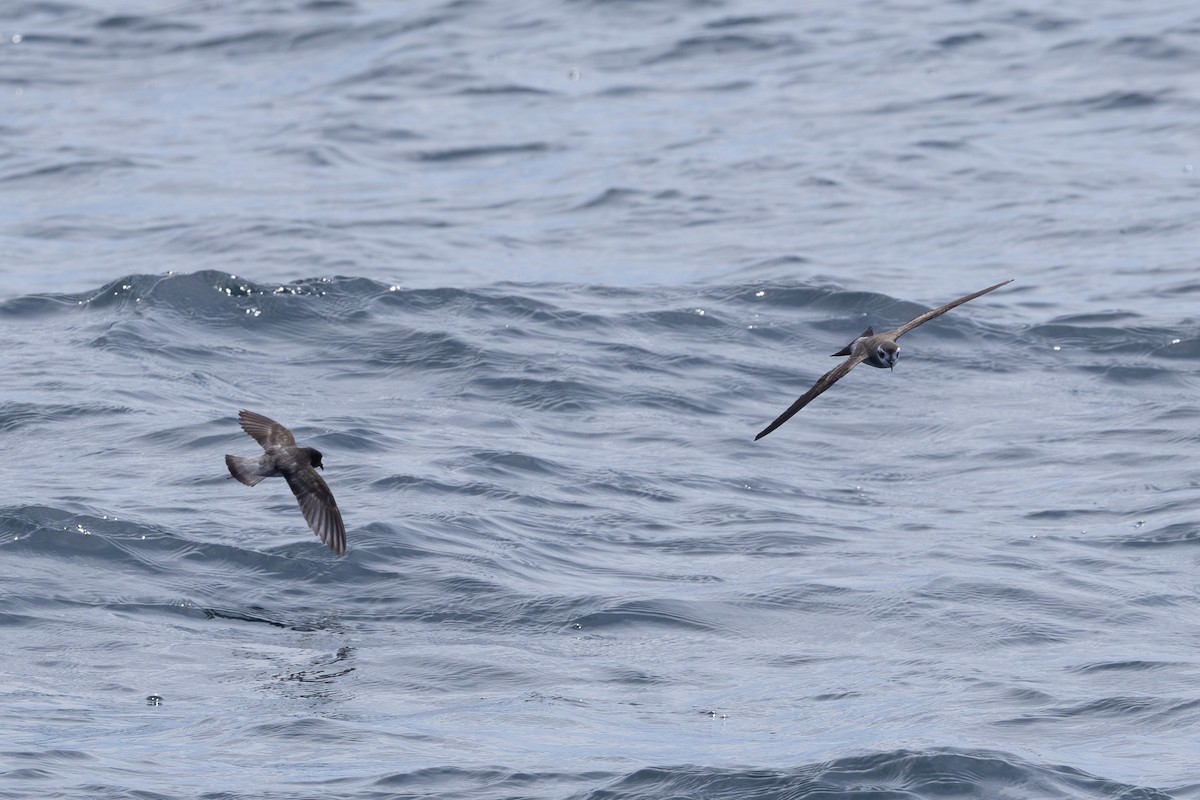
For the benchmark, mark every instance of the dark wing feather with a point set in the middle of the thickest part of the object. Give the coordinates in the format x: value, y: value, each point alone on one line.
x: 896, y: 333
x: 266, y: 431
x: 320, y: 509
x: 824, y: 382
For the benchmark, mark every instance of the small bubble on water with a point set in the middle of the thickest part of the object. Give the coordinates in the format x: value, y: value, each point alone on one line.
x: 1057, y: 348
x: 16, y: 38
x: 1188, y: 169
x: 573, y: 74
x: 154, y: 700
x: 759, y: 293
x: 1139, y: 523
x: 1175, y: 341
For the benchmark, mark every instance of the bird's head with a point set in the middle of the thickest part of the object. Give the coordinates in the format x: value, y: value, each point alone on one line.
x: 886, y: 355
x: 314, y: 457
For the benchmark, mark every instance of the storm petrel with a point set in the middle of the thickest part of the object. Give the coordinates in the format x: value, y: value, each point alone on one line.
x: 875, y: 349
x: 296, y: 465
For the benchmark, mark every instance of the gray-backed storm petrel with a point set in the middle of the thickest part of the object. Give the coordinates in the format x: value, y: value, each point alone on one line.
x: 875, y: 349
x: 298, y: 466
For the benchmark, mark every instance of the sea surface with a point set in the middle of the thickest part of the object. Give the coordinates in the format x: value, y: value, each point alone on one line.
x: 531, y: 276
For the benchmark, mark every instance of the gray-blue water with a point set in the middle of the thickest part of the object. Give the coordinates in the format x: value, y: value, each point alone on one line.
x: 532, y: 276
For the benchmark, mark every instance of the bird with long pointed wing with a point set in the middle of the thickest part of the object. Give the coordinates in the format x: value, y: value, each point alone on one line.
x: 876, y: 349
x: 298, y: 466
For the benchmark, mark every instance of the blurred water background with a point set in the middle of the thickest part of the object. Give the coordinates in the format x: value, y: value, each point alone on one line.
x: 532, y: 276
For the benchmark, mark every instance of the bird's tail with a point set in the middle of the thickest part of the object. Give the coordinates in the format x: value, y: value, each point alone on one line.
x: 848, y: 350
x: 244, y: 469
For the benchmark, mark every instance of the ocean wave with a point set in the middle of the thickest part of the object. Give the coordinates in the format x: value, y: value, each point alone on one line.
x: 897, y: 775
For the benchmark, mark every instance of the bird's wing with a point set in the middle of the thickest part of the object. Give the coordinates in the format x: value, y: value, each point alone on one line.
x: 824, y: 382
x: 266, y: 431
x: 896, y: 333
x: 320, y: 509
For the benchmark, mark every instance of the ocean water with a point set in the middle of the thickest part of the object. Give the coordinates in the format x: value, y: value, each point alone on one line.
x: 531, y: 278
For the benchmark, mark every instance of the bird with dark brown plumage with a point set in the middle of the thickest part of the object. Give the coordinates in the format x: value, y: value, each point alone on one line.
x: 874, y: 349
x: 298, y: 466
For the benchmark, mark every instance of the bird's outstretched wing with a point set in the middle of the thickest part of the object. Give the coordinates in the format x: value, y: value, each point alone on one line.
x: 896, y: 333
x: 266, y: 431
x: 824, y: 382
x: 320, y: 509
